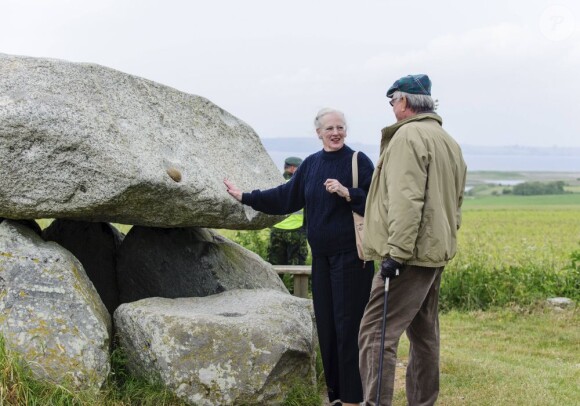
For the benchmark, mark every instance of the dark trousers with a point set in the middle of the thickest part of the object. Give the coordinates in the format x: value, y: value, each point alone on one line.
x: 412, y: 308
x: 340, y: 289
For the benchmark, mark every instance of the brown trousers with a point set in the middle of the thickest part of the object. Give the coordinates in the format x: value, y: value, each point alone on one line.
x: 412, y: 306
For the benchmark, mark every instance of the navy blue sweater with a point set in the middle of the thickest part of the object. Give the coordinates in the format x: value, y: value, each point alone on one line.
x: 330, y: 225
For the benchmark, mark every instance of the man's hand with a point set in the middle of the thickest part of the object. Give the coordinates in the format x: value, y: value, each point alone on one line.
x: 390, y: 268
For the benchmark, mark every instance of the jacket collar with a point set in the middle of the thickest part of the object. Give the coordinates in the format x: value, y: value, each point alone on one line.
x: 387, y: 133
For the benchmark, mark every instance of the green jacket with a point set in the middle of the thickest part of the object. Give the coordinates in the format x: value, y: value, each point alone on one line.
x: 413, y: 208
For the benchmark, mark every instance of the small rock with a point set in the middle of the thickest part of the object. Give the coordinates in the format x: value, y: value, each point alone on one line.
x: 560, y: 302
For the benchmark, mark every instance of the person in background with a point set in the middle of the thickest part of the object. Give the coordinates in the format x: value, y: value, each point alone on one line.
x: 340, y: 280
x: 413, y: 212
x: 288, y: 245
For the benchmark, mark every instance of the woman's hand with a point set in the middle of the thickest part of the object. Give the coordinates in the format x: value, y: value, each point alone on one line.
x: 334, y: 186
x: 233, y: 190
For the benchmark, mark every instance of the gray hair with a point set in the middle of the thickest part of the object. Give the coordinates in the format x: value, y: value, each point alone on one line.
x: 325, y: 111
x: 419, y: 103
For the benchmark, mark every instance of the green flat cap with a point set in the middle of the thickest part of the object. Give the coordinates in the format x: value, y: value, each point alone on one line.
x: 293, y: 161
x: 412, y: 84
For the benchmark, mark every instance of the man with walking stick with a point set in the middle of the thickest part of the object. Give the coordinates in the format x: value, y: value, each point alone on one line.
x: 413, y: 212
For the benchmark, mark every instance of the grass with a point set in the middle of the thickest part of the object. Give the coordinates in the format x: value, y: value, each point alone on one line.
x: 302, y: 395
x: 507, y: 357
x: 124, y: 389
x: 569, y: 201
x: 18, y: 387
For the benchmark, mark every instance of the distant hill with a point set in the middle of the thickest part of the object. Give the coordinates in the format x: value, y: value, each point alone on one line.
x: 478, y: 158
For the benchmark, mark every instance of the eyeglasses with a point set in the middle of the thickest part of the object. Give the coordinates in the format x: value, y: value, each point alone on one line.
x: 393, y: 101
x: 338, y: 128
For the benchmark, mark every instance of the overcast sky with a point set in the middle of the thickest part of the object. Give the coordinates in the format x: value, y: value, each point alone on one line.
x: 505, y: 72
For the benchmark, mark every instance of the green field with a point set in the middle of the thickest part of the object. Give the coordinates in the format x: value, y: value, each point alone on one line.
x: 478, y: 177
x: 549, y: 202
x: 519, y: 237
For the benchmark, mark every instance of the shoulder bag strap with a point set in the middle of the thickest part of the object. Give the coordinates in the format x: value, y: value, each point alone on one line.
x: 355, y: 170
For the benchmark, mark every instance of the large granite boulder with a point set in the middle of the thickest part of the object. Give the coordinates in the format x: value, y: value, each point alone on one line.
x: 50, y: 313
x: 241, y: 347
x: 95, y: 246
x: 86, y: 142
x: 187, y: 262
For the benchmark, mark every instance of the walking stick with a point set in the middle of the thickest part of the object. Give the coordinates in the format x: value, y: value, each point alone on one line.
x: 382, y: 350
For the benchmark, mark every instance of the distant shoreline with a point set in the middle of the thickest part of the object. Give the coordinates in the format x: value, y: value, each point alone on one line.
x: 478, y: 158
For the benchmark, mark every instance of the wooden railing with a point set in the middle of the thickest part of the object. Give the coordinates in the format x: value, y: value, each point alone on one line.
x: 300, y: 274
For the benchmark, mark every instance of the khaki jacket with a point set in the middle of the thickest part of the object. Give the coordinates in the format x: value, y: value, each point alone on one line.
x: 413, y: 208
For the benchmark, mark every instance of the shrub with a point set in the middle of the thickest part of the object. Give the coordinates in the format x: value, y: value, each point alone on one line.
x: 254, y: 240
x: 479, y: 288
x: 539, y: 188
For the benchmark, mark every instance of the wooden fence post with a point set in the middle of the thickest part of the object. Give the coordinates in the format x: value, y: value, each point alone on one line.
x: 300, y: 274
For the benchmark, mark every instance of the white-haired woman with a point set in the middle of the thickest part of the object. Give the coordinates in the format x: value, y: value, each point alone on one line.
x: 341, y: 282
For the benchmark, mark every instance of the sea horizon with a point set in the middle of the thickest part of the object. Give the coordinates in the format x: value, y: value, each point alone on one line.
x: 511, y: 158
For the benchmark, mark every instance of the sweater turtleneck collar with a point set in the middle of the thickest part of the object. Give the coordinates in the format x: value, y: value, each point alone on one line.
x: 332, y: 155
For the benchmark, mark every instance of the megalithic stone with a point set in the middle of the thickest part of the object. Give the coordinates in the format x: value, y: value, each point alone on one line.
x: 86, y: 142
x: 50, y: 313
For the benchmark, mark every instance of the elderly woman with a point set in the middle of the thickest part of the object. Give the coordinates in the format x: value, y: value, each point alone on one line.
x: 341, y: 282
